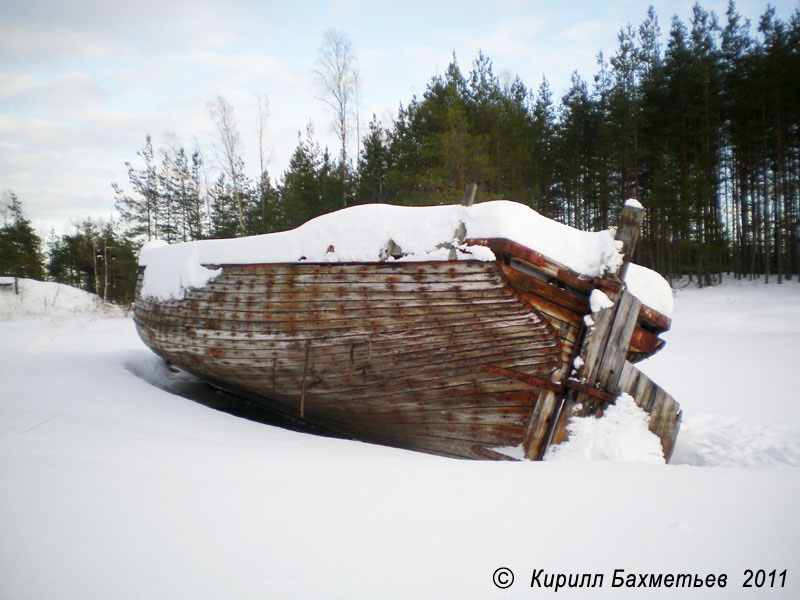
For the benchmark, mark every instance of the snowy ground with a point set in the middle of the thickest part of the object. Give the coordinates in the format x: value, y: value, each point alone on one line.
x: 113, y: 487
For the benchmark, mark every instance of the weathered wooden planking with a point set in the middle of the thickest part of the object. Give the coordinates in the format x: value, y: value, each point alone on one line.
x: 643, y: 344
x: 665, y: 412
x: 294, y: 324
x: 375, y: 371
x: 630, y: 225
x: 273, y: 338
x: 442, y: 402
x: 548, y: 294
x: 614, y: 336
x: 618, y: 341
x: 541, y: 424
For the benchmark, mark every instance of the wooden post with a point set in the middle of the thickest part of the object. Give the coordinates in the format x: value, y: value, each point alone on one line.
x: 461, y: 231
x: 630, y: 225
x: 610, y: 338
x: 469, y: 194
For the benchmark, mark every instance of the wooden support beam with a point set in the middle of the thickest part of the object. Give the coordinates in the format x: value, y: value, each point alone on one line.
x: 619, y: 338
x: 537, y: 435
x: 630, y: 225
x: 603, y: 354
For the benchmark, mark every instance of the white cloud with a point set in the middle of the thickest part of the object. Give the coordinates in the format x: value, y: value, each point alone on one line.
x: 83, y: 81
x: 63, y: 97
x: 34, y: 46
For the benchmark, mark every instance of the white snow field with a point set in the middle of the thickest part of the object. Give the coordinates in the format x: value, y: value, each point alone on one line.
x: 112, y: 487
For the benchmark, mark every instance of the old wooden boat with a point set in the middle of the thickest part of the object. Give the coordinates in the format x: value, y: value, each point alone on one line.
x: 460, y: 357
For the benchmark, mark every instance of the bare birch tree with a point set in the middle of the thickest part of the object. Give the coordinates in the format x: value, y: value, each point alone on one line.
x: 229, y: 148
x: 261, y: 124
x: 337, y: 78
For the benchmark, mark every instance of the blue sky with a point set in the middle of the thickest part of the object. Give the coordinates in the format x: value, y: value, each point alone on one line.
x: 82, y: 82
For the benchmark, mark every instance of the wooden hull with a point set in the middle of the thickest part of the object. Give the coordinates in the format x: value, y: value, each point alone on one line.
x: 461, y: 358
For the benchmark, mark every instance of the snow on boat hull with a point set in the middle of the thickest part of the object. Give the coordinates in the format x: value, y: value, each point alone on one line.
x: 458, y: 358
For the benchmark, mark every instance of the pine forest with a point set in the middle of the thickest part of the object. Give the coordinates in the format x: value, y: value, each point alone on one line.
x: 698, y: 120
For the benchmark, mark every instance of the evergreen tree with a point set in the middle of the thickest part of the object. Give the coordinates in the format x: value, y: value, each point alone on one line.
x: 702, y: 129
x: 312, y: 184
x: 543, y: 151
x: 20, y: 246
x: 141, y: 211
x: 97, y: 259
x: 224, y: 209
x: 373, y: 166
x: 265, y: 214
x: 604, y: 174
x: 181, y: 193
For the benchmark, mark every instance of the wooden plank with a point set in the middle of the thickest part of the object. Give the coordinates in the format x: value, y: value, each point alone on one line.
x: 522, y: 400
x: 369, y: 380
x: 630, y: 225
x: 654, y: 319
x: 442, y: 447
x: 507, y: 248
x: 390, y: 342
x: 408, y: 375
x: 351, y: 287
x: 575, y: 305
x: 478, y: 416
x: 349, y: 268
x: 664, y: 411
x: 327, y: 305
x: 501, y: 316
x: 540, y: 425
x: 391, y: 346
x: 618, y: 341
x: 644, y: 342
x: 390, y: 392
x: 494, y: 435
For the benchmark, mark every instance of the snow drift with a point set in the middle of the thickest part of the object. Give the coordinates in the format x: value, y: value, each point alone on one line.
x: 115, y: 488
x: 28, y: 297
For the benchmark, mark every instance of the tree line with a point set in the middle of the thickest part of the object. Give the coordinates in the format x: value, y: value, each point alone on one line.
x: 96, y: 257
x: 703, y: 129
x: 701, y: 125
